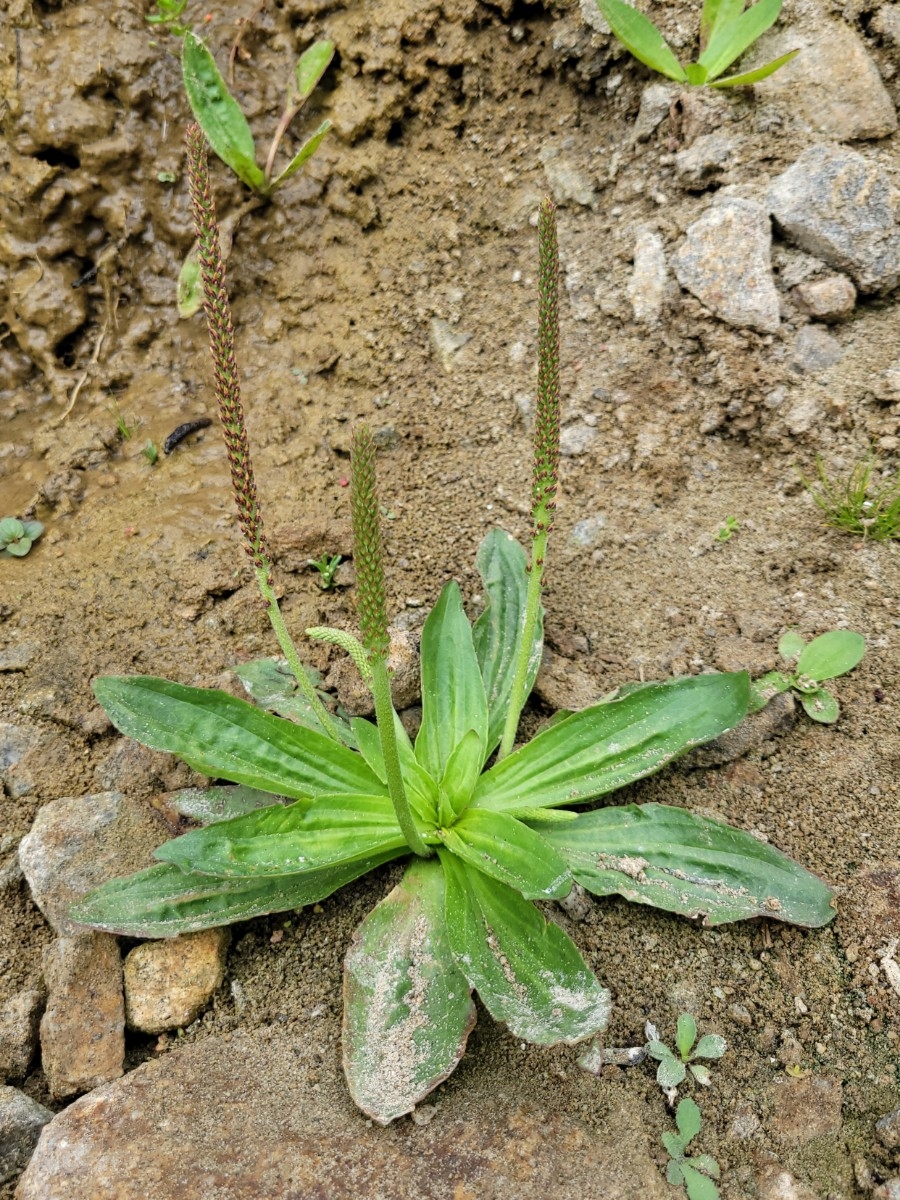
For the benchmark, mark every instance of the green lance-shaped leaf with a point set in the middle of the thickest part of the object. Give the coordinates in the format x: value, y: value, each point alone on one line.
x: 831, y: 654
x: 164, y: 901
x: 271, y: 684
x: 747, y: 78
x: 639, y: 35
x: 189, y: 292
x: 312, y: 65
x: 612, y: 744
x: 526, y: 971
x: 208, y: 805
x: 306, y: 151
x: 453, y: 699
x: 677, y: 861
x: 408, y: 1009
x: 510, y: 851
x: 717, y: 14
x: 502, y: 566
x: 685, y: 1034
x: 732, y: 39
x: 460, y: 776
x: 290, y: 840
x: 421, y: 789
x: 227, y: 738
x: 218, y: 114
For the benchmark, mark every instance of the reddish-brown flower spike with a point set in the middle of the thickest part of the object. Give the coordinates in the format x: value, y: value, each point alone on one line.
x: 546, y: 430
x: 221, y: 344
x: 368, y: 557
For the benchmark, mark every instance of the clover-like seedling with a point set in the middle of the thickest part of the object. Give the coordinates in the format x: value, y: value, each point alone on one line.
x: 728, y: 529
x: 726, y: 31
x: 825, y: 657
x: 697, y: 1171
x: 326, y: 566
x: 673, y: 1068
x: 17, y: 537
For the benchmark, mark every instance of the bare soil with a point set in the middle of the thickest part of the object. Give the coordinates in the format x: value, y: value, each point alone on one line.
x: 419, y: 209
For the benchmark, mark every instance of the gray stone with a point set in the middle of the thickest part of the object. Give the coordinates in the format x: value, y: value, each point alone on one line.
x: 841, y: 208
x: 886, y: 23
x: 804, y: 414
x: 237, y: 1116
x: 16, y: 743
x: 21, y: 1122
x: 77, y: 843
x: 830, y: 298
x: 887, y: 1130
x: 586, y: 532
x: 19, y: 1018
x: 815, y: 349
x: 832, y: 85
x: 447, y: 341
x: 776, y: 1182
x: 10, y: 869
x: 647, y: 286
x: 83, y: 1026
x: 804, y: 1108
x: 567, y: 184
x: 576, y: 439
x: 725, y: 260
x: 703, y: 163
x: 656, y: 101
x: 169, y: 983
x: 593, y: 16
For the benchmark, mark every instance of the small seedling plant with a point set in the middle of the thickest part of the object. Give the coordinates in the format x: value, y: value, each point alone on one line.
x: 674, y: 1065
x: 327, y: 565
x: 728, y: 529
x: 860, y: 503
x: 167, y: 15
x: 484, y: 828
x: 726, y: 31
x: 17, y: 537
x: 694, y: 1172
x: 825, y: 657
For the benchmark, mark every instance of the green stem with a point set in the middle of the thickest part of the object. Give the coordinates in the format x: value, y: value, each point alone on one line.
x: 532, y: 612
x: 289, y: 650
x: 384, y: 716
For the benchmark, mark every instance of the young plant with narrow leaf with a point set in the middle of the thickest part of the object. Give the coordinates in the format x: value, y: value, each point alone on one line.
x: 694, y: 1172
x: 825, y: 657
x: 486, y: 828
x: 726, y: 31
x: 674, y: 1065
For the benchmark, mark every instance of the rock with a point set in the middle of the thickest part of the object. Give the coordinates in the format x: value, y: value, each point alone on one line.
x: 704, y: 162
x: 831, y: 298
x: 647, y: 286
x: 804, y: 1109
x: 567, y: 184
x: 836, y: 205
x: 887, y: 1130
x: 403, y: 663
x: 169, y: 983
x: 562, y: 684
x: 294, y: 545
x: 656, y: 100
x: 236, y: 1117
x: 832, y: 85
x: 815, y: 349
x: 725, y: 260
x: 889, y: 1190
x: 447, y: 341
x: 777, y: 717
x: 576, y: 439
x: 21, y: 1122
x: 775, y: 1182
x: 593, y: 16
x: 803, y: 415
x: 886, y: 23
x: 10, y: 869
x: 586, y: 532
x: 19, y: 1019
x: 83, y: 1027
x: 17, y: 743
x: 77, y: 843
x: 579, y: 904
x: 744, y: 1122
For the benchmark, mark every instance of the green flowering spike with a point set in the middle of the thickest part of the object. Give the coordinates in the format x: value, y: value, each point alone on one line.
x: 367, y: 552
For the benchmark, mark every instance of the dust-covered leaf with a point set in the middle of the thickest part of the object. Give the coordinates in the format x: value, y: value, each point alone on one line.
x: 831, y: 654
x: 270, y: 683
x: 821, y: 706
x: 711, y: 1045
x: 312, y: 65
x: 408, y: 1009
x: 207, y: 805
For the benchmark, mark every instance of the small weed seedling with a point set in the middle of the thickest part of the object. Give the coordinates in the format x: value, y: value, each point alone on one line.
x: 697, y: 1172
x: 673, y: 1068
x: 485, y: 827
x: 727, y: 531
x: 857, y: 504
x: 826, y: 657
x: 326, y: 566
x: 150, y: 452
x: 167, y: 15
x: 17, y: 537
x: 726, y: 31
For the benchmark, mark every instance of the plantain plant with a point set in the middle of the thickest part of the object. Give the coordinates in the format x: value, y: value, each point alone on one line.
x: 726, y: 31
x: 485, y: 828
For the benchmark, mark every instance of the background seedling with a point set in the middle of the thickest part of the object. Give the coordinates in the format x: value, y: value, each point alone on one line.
x: 859, y: 503
x: 151, y: 452
x: 697, y: 1172
x: 826, y: 657
x: 727, y: 531
x: 167, y: 14
x: 17, y: 537
x: 726, y: 31
x: 326, y: 566
x: 674, y: 1067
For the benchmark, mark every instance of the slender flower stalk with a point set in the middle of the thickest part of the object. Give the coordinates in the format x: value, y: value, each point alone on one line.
x: 545, y: 477
x: 368, y: 558
x: 231, y: 411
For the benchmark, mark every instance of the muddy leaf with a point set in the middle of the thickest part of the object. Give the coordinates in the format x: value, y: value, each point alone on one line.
x: 207, y: 805
x: 290, y: 840
x: 502, y: 566
x: 164, y: 901
x: 679, y: 862
x: 614, y: 743
x: 527, y: 972
x: 510, y: 851
x: 408, y: 1010
x: 189, y: 294
x: 311, y: 67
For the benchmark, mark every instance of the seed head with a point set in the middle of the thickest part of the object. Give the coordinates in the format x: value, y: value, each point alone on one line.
x: 368, y: 557
x: 546, y: 424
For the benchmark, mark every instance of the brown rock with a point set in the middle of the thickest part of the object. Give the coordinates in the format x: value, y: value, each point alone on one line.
x: 562, y: 684
x: 805, y: 1108
x: 236, y: 1118
x: 83, y: 1027
x: 831, y: 298
x: 19, y: 1019
x: 169, y: 983
x: 776, y: 1182
x: 403, y: 665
